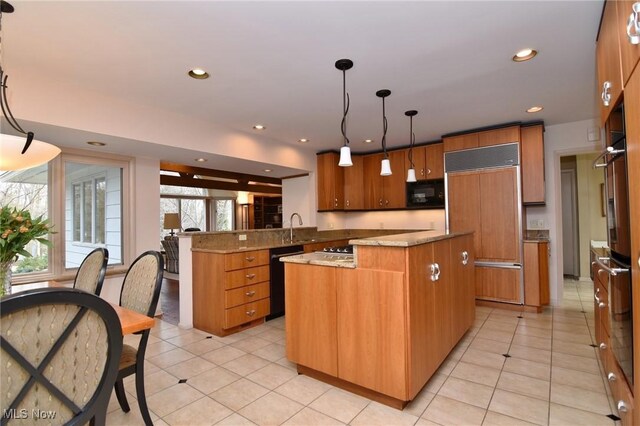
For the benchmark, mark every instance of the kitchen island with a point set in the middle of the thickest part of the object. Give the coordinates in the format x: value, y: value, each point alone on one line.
x: 381, y: 323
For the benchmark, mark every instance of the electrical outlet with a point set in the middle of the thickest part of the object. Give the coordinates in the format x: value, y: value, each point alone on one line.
x: 330, y: 225
x: 381, y: 225
x: 242, y: 237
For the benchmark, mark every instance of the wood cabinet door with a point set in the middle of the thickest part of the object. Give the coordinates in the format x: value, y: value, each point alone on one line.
x: 310, y: 299
x: 462, y: 284
x: 353, y: 182
x: 419, y: 153
x: 373, y: 192
x: 499, y: 216
x: 629, y: 53
x: 532, y: 152
x: 455, y: 143
x: 463, y: 196
x: 330, y: 181
x: 498, y: 284
x: 428, y: 312
x: 371, y: 330
x: 499, y: 136
x: 608, y: 59
x: 434, y: 154
x: 394, y: 187
x: 632, y: 113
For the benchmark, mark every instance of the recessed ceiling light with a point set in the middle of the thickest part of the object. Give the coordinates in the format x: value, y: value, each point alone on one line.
x: 524, y: 55
x: 198, y: 73
x: 267, y: 170
x: 535, y: 109
x: 303, y: 140
x: 96, y: 143
x: 259, y: 127
x: 367, y: 140
x: 201, y: 160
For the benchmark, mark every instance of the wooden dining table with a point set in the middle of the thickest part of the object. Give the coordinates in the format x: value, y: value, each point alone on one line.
x: 130, y: 321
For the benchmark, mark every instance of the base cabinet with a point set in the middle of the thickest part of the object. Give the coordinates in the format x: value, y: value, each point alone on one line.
x: 385, y: 328
x: 536, y: 273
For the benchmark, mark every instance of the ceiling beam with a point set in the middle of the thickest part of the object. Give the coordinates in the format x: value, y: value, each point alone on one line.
x: 182, y: 169
x: 217, y: 184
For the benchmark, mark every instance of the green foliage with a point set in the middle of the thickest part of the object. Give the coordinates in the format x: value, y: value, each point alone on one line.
x: 17, y: 229
x: 31, y: 264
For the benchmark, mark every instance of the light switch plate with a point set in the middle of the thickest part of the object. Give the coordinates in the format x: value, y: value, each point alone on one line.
x: 242, y: 237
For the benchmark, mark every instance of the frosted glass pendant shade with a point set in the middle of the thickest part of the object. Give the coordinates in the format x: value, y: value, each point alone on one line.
x: 385, y: 167
x: 10, y: 153
x: 345, y: 157
x: 411, y: 175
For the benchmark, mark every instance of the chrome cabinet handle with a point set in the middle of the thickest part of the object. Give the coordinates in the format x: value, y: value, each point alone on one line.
x: 422, y: 172
x: 603, y: 346
x: 465, y: 257
x: 611, y: 377
x: 251, y: 312
x: 380, y: 202
x: 250, y: 259
x: 428, y: 171
x: 606, y: 95
x: 595, y: 296
x: 601, y: 305
x: 622, y: 407
x: 633, y: 24
x: 347, y: 203
x: 336, y: 202
x: 252, y: 293
x: 386, y: 202
x: 250, y: 276
x: 434, y: 268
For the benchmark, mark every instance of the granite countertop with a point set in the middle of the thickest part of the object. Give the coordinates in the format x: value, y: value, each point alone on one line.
x: 322, y: 259
x: 259, y: 246
x: 536, y: 240
x: 407, y: 240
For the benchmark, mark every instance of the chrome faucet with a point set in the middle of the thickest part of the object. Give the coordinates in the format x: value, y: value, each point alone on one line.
x: 291, y: 225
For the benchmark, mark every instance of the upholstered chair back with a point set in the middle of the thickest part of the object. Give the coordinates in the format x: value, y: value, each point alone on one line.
x: 141, y: 285
x: 90, y: 275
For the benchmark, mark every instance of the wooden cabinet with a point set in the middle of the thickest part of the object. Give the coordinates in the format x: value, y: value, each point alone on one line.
x: 629, y: 53
x: 311, y: 320
x: 330, y: 182
x: 353, y: 182
x: 386, y: 325
x: 608, y: 61
x: 464, y: 205
x: 499, y: 136
x: 230, y: 291
x: 536, y: 273
x: 498, y: 284
x: 267, y: 212
x: 532, y: 164
x: 428, y: 161
x: 384, y: 192
x: 456, y: 143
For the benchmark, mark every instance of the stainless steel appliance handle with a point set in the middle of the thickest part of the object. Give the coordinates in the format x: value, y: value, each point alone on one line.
x: 611, y: 271
x: 603, y: 154
x: 498, y: 265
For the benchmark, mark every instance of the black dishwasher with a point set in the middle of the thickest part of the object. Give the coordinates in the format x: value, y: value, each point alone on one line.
x: 276, y: 278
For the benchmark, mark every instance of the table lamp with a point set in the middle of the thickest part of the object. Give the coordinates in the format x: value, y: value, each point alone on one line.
x: 171, y: 221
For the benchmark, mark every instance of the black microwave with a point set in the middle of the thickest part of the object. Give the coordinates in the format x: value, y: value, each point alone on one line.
x: 426, y: 194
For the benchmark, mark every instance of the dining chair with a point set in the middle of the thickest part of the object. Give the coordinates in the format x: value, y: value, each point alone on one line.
x: 140, y: 292
x: 59, y: 357
x: 90, y: 275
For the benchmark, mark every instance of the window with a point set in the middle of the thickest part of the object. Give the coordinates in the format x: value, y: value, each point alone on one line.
x: 224, y: 213
x: 89, y: 211
x: 94, y: 211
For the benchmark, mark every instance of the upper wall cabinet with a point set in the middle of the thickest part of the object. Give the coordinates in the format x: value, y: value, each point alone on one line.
x: 353, y: 182
x: 385, y: 192
x: 455, y: 143
x: 428, y: 161
x: 532, y: 164
x: 485, y: 138
x: 628, y: 27
x: 330, y: 182
x: 608, y: 61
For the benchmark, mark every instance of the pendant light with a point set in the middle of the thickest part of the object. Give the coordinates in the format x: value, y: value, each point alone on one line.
x: 14, y: 148
x: 411, y: 173
x: 345, y: 152
x: 385, y: 166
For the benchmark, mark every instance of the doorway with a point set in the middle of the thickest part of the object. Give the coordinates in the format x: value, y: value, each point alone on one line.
x: 570, y: 220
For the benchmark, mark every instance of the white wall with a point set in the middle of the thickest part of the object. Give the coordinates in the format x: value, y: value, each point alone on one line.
x: 299, y: 196
x: 560, y: 140
x: 400, y: 219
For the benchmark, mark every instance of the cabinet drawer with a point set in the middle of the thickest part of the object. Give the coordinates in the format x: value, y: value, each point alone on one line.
x: 242, y: 295
x: 245, y: 259
x: 602, y: 307
x: 622, y: 396
x: 243, y: 277
x: 246, y: 313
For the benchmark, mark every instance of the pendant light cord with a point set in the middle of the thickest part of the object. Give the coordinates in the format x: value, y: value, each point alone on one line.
x: 412, y: 139
x: 384, y: 130
x: 345, y: 108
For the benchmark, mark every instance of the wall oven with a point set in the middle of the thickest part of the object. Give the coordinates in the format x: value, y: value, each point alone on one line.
x: 617, y: 264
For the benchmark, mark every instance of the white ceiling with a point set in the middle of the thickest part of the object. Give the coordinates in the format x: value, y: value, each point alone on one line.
x: 273, y: 63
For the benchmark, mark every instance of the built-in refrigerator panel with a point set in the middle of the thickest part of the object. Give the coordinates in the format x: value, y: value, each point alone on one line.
x: 484, y: 195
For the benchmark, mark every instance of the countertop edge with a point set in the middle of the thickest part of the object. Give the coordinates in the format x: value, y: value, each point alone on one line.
x: 407, y: 240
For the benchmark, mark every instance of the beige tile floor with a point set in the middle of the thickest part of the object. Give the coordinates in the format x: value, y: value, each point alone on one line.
x: 551, y: 376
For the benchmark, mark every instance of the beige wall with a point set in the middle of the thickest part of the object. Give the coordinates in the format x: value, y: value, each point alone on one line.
x: 592, y: 225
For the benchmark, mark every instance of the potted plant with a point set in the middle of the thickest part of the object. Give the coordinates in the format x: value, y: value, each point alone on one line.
x: 17, y: 229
